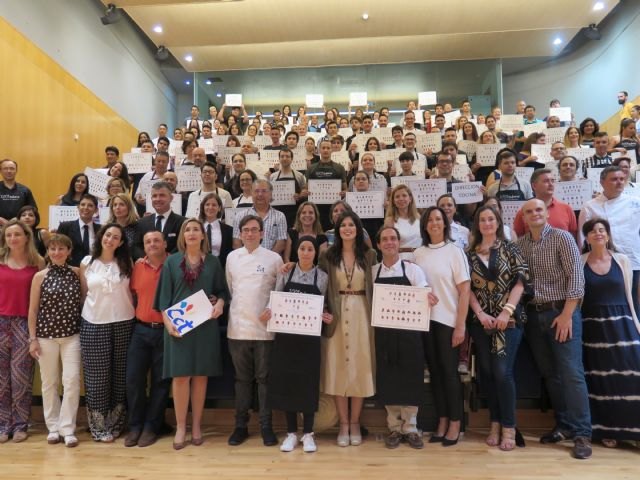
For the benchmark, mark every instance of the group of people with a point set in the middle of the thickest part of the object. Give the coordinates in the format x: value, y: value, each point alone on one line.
x: 100, y: 299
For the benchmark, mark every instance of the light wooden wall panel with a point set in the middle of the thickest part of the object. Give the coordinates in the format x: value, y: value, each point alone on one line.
x: 42, y: 107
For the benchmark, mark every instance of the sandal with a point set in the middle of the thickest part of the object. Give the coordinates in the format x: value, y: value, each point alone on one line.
x: 609, y: 442
x: 493, y: 439
x: 508, y: 442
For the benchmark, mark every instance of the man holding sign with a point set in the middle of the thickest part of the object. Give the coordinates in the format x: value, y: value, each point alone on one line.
x: 399, y: 353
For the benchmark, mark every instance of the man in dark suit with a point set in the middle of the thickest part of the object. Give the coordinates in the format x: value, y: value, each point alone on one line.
x: 163, y: 220
x: 83, y: 231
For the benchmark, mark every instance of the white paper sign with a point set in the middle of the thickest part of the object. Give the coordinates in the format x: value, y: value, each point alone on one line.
x: 469, y: 192
x: 258, y: 167
x: 581, y: 154
x: 175, y: 147
x: 461, y: 172
x: 461, y: 159
x: 97, y: 182
x: 208, y: 145
x: 382, y: 159
x: 427, y: 98
x: 509, y: 211
x: 221, y: 140
x: 231, y: 214
x: 314, y: 100
x: 59, y: 214
x: 283, y: 193
x: 299, y: 161
x: 190, y: 313
x: 137, y: 162
x: 451, y: 117
x: 401, y: 307
x: 233, y: 99
x: 530, y: 128
x: 367, y: 204
x: 270, y: 157
x: 575, y: 193
x: 542, y: 152
x: 486, y: 154
x: 468, y: 146
x: 631, y: 154
x: 176, y: 204
x: 426, y: 192
x: 553, y: 135
x: 226, y: 153
x: 342, y: 158
x: 432, y: 141
x: 297, y: 313
x: 509, y: 123
x: 524, y: 173
x: 189, y: 178
x: 324, y: 192
x: 563, y: 113
x: 593, y: 175
x: 358, y: 99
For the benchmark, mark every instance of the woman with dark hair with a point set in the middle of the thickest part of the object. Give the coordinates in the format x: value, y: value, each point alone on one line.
x: 120, y: 170
x: 78, y: 186
x: 588, y: 128
x: 219, y: 234
x: 525, y: 157
x: 459, y: 233
x: 190, y: 359
x: 19, y: 263
x: 498, y: 279
x: 310, y: 152
x: 115, y: 186
x: 107, y: 324
x: 307, y: 224
x: 54, y: 330
x: 337, y: 209
x: 245, y: 181
x: 447, y: 271
x: 348, y: 352
x: 361, y: 182
x: 187, y: 149
x: 572, y: 138
x: 294, y: 370
x: 469, y: 132
x: 234, y: 130
x: 509, y: 234
x: 627, y: 139
x: 233, y: 141
x: 377, y: 181
x: 237, y: 165
x: 286, y: 111
x: 142, y: 137
x: 610, y: 338
x: 30, y: 216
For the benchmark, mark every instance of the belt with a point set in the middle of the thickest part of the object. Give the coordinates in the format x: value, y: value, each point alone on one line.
x: 407, y: 250
x: 352, y: 292
x: 543, y: 307
x: 151, y: 324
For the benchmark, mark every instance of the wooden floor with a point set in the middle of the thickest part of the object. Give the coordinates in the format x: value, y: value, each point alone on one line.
x: 470, y: 459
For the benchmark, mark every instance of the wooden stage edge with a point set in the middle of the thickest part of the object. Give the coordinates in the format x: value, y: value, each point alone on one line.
x: 471, y: 458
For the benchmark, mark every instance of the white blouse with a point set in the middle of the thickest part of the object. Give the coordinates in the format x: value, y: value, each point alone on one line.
x: 108, y: 296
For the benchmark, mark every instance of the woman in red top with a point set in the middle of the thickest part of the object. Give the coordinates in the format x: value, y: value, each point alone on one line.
x: 19, y: 262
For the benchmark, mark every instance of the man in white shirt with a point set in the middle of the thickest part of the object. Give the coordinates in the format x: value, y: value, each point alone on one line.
x: 410, y: 123
x: 622, y: 212
x: 251, y: 276
x: 162, y: 132
x: 209, y: 176
x: 159, y: 169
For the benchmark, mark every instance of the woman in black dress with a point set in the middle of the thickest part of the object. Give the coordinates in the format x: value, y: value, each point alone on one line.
x: 78, y: 186
x: 294, y: 374
x: 30, y: 216
x: 307, y: 223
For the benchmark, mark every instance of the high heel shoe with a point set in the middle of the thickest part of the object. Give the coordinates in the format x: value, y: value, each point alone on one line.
x: 450, y: 443
x: 355, y: 439
x: 436, y: 438
x: 343, y: 439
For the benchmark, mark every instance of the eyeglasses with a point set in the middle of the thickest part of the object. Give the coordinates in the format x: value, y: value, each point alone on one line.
x: 250, y: 230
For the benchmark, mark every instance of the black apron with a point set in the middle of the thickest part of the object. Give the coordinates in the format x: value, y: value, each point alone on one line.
x: 510, y: 195
x: 399, y: 359
x: 245, y: 204
x: 289, y: 210
x: 294, y: 369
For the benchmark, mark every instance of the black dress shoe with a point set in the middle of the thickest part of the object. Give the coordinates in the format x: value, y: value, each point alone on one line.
x: 436, y: 438
x: 450, y: 443
x: 238, y: 436
x: 268, y: 437
x: 554, y: 436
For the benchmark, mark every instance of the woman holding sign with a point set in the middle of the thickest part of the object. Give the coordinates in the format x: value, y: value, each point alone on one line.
x: 498, y: 279
x: 348, y: 350
x: 447, y: 271
x: 294, y: 371
x: 195, y: 355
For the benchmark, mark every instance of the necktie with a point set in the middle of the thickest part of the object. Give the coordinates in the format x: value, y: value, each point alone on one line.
x: 210, y: 236
x: 85, y: 239
x: 159, y: 222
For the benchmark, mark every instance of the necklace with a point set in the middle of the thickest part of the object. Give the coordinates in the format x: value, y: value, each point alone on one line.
x: 348, y: 273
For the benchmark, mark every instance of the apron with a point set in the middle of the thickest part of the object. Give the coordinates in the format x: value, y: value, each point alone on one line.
x: 510, y: 195
x: 294, y: 369
x: 399, y: 359
x: 289, y: 210
x: 242, y: 204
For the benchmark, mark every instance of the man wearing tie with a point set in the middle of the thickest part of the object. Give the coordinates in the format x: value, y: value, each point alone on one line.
x: 163, y: 220
x: 82, y: 232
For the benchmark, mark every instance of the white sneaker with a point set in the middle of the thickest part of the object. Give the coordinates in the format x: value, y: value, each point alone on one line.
x: 308, y: 443
x: 53, y: 438
x: 289, y: 443
x: 70, y: 441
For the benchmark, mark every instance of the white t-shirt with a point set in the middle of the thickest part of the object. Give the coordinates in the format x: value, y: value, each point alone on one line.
x: 445, y: 266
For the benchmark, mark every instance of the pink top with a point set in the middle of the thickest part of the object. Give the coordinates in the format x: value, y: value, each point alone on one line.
x: 15, y: 287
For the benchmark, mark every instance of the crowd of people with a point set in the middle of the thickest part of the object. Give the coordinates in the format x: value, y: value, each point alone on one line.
x: 563, y: 278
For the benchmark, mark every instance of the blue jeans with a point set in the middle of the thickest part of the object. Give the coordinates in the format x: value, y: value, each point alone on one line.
x: 496, y: 373
x: 145, y: 355
x: 560, y: 365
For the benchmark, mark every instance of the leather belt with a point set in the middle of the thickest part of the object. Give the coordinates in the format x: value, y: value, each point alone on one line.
x: 352, y: 292
x: 543, y: 307
x: 153, y: 325
x: 407, y: 250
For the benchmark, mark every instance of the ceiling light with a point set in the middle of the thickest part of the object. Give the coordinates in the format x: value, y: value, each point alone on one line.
x: 218, y: 95
x: 365, y: 16
x: 598, y: 6
x: 208, y: 82
x: 187, y: 82
x: 188, y: 58
x: 157, y: 28
x: 111, y: 15
x: 557, y: 41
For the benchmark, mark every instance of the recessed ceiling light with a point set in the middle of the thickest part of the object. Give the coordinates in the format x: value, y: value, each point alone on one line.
x: 187, y: 82
x: 208, y: 82
x: 218, y: 94
x: 365, y: 16
x: 188, y: 58
x: 598, y: 6
x: 157, y: 28
x: 557, y: 41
